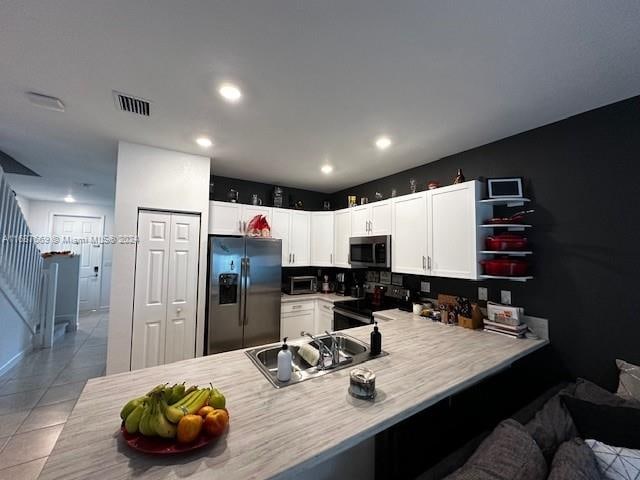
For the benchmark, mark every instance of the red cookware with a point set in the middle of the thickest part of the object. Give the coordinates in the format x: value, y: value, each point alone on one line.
x: 505, y: 267
x: 506, y: 241
x: 514, y: 219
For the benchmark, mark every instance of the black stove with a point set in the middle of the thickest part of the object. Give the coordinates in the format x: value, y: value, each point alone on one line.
x: 364, y: 306
x: 359, y: 312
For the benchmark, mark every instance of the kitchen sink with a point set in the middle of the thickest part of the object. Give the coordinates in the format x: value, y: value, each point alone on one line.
x: 351, y: 351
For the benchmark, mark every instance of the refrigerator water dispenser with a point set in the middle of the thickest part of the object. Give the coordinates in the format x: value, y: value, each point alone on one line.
x: 228, y: 288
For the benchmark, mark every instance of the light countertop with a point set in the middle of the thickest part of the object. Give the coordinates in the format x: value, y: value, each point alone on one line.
x: 280, y: 433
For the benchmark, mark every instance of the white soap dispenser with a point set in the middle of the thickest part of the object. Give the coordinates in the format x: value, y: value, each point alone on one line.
x: 284, y: 363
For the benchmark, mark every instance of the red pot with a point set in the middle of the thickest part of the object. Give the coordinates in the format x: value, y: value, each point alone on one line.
x: 506, y: 241
x: 505, y: 267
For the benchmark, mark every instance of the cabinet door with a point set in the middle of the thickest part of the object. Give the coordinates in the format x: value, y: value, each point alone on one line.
x: 250, y: 211
x: 380, y: 223
x: 323, y: 317
x: 291, y: 324
x: 322, y: 239
x: 453, y: 231
x: 409, y: 234
x: 280, y: 229
x: 224, y: 218
x: 342, y: 225
x: 300, y: 238
x: 182, y: 287
x: 360, y: 221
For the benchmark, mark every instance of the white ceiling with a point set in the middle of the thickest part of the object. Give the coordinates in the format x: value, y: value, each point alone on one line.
x: 321, y: 80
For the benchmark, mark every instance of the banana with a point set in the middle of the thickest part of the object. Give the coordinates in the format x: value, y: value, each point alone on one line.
x: 132, y: 422
x: 130, y: 407
x: 177, y: 394
x: 188, y: 405
x: 146, y: 427
x: 163, y: 427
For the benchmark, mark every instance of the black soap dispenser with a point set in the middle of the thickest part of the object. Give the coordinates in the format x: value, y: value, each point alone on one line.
x: 376, y: 341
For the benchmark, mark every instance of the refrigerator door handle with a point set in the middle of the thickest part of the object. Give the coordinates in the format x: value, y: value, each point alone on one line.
x: 247, y: 285
x: 243, y: 300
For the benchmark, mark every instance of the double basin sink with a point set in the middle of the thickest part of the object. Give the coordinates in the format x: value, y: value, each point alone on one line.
x: 351, y: 351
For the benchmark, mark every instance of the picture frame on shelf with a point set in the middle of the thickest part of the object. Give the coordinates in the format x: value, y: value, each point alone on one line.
x: 505, y: 187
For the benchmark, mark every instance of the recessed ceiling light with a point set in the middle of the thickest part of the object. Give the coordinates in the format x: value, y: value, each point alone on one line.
x: 382, y: 143
x: 69, y: 199
x: 327, y: 169
x: 204, y: 142
x: 230, y: 92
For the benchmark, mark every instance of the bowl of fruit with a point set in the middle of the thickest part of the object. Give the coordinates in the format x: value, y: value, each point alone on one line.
x: 175, y: 419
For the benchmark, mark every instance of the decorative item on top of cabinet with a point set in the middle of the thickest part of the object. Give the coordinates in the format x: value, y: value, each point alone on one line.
x: 352, y: 201
x: 255, y: 199
x: 433, y: 184
x: 413, y: 185
x: 277, y: 197
x: 378, y: 196
x: 394, y: 193
x: 459, y: 177
x: 232, y: 196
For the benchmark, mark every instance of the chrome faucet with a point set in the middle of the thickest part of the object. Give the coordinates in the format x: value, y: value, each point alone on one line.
x: 332, y: 352
x: 335, y: 350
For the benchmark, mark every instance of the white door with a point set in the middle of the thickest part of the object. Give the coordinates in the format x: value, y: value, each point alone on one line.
x: 150, y: 290
x: 323, y: 317
x: 322, y: 239
x: 409, y: 234
x: 250, y: 211
x: 164, y: 308
x: 182, y: 287
x: 380, y: 218
x: 453, y: 231
x: 360, y: 221
x: 77, y: 234
x: 342, y: 225
x: 280, y: 229
x: 225, y: 218
x: 300, y: 232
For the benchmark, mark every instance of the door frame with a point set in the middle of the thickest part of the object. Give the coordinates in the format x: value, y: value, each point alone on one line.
x: 101, y: 222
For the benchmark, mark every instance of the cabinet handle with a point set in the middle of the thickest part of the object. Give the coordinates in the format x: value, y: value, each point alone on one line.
x: 294, y: 258
x: 331, y: 258
x: 295, y: 307
x: 244, y: 227
x: 289, y: 258
x: 240, y: 225
x: 429, y: 263
x: 424, y: 263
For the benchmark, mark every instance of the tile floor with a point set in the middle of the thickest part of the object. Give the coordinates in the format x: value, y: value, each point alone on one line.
x: 38, y: 394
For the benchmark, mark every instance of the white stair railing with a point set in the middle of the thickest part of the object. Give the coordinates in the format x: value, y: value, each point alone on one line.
x: 20, y: 260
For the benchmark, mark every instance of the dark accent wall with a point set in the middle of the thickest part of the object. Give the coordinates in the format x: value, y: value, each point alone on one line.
x: 219, y: 186
x: 583, y: 176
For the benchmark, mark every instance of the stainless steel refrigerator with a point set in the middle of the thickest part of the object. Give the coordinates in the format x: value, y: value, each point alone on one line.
x: 244, y: 292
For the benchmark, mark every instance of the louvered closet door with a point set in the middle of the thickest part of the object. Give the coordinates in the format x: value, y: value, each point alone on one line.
x: 182, y: 286
x: 150, y: 299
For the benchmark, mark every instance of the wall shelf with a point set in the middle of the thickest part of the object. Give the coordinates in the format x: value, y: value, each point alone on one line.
x: 513, y: 279
x: 509, y: 202
x: 511, y: 253
x: 512, y: 227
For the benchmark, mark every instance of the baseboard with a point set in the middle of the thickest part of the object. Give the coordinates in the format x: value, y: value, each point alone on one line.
x: 9, y: 365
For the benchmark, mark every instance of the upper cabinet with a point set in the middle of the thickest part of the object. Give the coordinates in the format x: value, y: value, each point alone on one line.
x: 294, y: 228
x: 453, y: 239
x: 342, y: 233
x: 322, y: 239
x: 227, y: 218
x: 371, y: 219
x: 409, y: 234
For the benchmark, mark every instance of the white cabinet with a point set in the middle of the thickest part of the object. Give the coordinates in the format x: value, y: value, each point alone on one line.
x: 227, y: 218
x: 342, y: 227
x: 322, y: 239
x: 166, y: 278
x: 453, y: 214
x: 296, y: 317
x: 293, y: 227
x: 409, y: 234
x: 371, y: 219
x: 323, y: 317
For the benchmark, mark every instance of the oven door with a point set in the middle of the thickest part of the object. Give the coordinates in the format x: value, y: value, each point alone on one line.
x: 343, y: 319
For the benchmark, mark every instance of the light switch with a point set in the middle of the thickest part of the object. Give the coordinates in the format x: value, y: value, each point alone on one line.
x: 505, y: 297
x: 482, y: 293
x: 425, y: 287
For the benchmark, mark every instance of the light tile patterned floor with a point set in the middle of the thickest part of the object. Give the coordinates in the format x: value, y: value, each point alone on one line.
x: 38, y: 394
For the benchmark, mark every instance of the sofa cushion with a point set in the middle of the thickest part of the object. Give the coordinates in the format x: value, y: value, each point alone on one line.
x: 619, y: 426
x: 508, y: 453
x: 590, y: 392
x: 574, y: 460
x: 629, y: 381
x: 616, y: 463
x: 552, y: 425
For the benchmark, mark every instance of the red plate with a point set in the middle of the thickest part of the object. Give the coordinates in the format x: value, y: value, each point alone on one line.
x: 162, y: 446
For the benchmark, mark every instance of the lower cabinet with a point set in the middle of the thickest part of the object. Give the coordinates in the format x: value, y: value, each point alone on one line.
x: 313, y: 316
x: 323, y: 316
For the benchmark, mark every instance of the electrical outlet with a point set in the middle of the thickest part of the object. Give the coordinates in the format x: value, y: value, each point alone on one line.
x: 425, y: 287
x: 482, y: 293
x: 505, y: 297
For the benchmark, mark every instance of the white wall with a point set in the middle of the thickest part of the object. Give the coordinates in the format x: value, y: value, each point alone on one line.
x: 25, y: 204
x: 152, y: 178
x: 40, y: 218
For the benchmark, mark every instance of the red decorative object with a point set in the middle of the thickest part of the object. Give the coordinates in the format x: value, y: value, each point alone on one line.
x: 163, y: 446
x: 505, y: 267
x: 506, y: 241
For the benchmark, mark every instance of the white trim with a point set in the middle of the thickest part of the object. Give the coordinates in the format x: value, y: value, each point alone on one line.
x: 12, y: 362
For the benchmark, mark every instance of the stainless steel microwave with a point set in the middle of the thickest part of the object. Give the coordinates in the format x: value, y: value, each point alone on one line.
x: 370, y: 251
x: 301, y: 285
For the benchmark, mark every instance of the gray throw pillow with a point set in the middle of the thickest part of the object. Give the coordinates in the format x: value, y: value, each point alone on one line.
x: 508, y: 453
x: 574, y: 460
x: 629, y: 381
x: 590, y: 392
x: 552, y: 425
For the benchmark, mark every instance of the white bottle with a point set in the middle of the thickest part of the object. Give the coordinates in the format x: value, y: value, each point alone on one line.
x: 284, y: 363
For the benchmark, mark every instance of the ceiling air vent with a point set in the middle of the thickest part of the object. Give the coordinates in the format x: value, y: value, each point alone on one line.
x: 131, y: 104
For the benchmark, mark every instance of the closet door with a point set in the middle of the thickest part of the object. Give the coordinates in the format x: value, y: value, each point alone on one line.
x: 182, y: 285
x: 150, y: 294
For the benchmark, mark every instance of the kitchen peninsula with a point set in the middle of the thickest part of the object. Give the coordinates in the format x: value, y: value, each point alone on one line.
x: 281, y: 433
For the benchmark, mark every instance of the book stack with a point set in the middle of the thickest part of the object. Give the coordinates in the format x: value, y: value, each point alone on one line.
x: 505, y: 320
